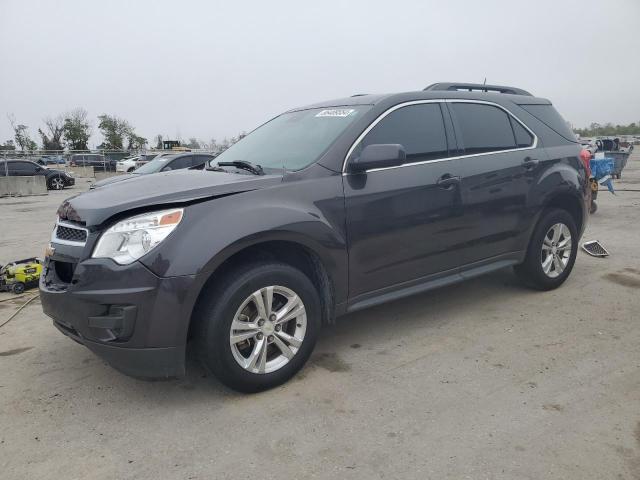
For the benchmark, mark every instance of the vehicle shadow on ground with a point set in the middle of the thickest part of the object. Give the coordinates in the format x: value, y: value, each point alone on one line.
x: 364, y: 328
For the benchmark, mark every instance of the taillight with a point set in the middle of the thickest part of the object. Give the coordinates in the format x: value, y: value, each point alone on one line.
x: 585, y: 156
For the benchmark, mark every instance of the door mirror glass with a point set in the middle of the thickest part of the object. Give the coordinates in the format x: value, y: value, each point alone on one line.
x: 379, y: 156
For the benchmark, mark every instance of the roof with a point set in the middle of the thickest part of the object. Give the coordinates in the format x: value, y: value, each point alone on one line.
x: 521, y: 97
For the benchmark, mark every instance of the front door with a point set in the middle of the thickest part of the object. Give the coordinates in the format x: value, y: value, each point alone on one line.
x: 403, y: 222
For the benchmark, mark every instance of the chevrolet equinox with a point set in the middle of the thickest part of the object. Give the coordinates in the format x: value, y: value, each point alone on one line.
x: 323, y: 210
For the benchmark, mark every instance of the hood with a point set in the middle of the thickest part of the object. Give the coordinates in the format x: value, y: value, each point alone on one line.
x: 179, y: 186
x: 114, y: 179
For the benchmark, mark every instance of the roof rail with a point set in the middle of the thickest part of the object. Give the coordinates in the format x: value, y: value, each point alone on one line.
x: 477, y: 87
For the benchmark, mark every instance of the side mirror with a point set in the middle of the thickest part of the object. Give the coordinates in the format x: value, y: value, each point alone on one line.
x: 379, y: 156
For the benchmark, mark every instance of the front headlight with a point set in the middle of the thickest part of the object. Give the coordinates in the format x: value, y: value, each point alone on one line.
x: 133, y: 237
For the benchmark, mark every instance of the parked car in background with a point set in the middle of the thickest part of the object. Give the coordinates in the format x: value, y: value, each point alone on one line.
x: 56, y: 179
x: 127, y: 165
x: 324, y: 210
x: 147, y: 157
x: 164, y: 163
x: 51, y: 160
x: 96, y: 160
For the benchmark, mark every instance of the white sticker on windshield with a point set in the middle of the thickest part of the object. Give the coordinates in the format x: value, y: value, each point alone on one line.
x: 336, y: 112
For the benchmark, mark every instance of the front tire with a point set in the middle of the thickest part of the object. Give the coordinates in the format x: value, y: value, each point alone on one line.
x: 552, y: 251
x: 258, y: 326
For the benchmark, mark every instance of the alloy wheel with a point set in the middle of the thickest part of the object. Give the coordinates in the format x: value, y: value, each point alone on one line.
x: 57, y: 183
x: 268, y: 329
x: 556, y: 250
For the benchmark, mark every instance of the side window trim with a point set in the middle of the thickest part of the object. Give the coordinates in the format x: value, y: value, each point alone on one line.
x: 441, y: 101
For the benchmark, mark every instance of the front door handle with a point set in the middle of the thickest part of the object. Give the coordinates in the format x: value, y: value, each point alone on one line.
x: 447, y: 182
x: 530, y: 163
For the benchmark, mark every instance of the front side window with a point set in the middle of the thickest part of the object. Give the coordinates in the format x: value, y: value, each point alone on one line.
x: 199, y: 160
x: 154, y: 165
x: 293, y: 140
x: 28, y: 168
x: 418, y: 128
x: 482, y: 128
x: 180, y: 163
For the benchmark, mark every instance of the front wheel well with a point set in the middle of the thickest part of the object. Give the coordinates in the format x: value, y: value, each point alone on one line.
x: 290, y: 253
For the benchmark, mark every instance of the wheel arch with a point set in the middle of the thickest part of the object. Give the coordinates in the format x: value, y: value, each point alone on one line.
x: 291, y: 252
x: 571, y: 203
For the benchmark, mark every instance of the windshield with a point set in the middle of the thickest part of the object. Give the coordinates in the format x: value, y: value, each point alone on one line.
x: 154, y: 165
x: 293, y: 140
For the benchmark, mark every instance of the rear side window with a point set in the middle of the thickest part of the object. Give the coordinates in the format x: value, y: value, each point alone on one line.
x: 548, y: 115
x: 418, y: 128
x: 482, y: 128
x: 13, y: 167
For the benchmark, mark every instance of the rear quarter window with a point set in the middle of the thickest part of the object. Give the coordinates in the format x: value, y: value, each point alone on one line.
x: 548, y: 115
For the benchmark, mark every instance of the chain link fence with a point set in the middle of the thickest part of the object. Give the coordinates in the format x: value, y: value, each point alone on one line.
x: 85, y: 162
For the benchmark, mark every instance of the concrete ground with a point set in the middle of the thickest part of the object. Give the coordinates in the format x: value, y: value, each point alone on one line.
x: 482, y: 380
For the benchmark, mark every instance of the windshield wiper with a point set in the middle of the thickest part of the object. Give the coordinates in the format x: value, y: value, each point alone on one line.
x: 243, y: 165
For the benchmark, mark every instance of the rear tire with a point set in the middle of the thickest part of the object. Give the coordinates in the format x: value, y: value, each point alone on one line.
x: 594, y: 207
x: 18, y: 288
x: 246, y: 351
x: 552, y: 251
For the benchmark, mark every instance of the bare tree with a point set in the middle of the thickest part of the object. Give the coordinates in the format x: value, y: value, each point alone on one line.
x: 52, y: 139
x: 21, y: 134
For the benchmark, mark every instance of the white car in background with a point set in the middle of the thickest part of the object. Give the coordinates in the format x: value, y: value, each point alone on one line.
x: 127, y: 165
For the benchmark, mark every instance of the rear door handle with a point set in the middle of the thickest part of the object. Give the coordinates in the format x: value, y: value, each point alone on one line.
x: 447, y: 181
x: 530, y: 163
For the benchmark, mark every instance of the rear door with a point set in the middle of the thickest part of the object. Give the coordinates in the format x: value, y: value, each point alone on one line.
x: 402, y: 222
x: 499, y: 162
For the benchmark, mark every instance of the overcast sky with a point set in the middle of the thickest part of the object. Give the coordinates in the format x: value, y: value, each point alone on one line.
x: 212, y: 69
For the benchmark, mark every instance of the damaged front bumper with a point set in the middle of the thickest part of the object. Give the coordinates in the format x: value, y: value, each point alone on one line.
x: 127, y: 315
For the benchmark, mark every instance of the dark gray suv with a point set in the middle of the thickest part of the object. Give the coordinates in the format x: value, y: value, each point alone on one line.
x: 323, y: 210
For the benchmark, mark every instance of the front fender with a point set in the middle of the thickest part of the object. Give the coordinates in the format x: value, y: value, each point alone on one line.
x: 308, y: 212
